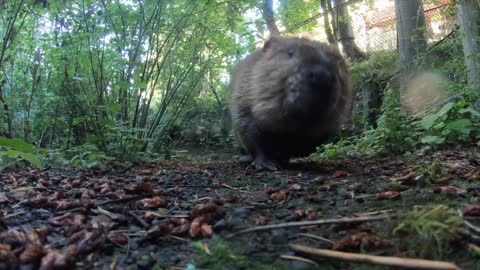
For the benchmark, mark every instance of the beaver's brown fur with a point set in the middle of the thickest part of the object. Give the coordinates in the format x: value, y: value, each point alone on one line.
x: 287, y: 98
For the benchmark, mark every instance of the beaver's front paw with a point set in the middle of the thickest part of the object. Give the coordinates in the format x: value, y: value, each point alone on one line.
x: 262, y: 164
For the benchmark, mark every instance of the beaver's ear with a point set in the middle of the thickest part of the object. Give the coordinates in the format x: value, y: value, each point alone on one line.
x: 270, y: 43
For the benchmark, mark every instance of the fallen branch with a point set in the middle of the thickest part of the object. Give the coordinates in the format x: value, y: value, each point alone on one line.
x: 308, y: 223
x: 317, y: 237
x: 378, y: 260
x: 288, y: 257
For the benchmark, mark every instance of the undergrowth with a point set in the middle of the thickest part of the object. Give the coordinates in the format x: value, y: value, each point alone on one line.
x: 428, y: 232
x: 456, y: 121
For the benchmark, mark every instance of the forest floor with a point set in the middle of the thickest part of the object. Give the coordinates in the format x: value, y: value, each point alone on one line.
x: 187, y: 213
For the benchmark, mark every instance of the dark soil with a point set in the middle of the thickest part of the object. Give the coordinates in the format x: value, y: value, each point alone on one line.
x: 148, y: 215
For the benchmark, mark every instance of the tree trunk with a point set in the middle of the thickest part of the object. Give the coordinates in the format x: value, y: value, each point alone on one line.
x: 345, y: 32
x: 326, y: 21
x: 411, y: 37
x: 469, y: 19
x: 269, y: 17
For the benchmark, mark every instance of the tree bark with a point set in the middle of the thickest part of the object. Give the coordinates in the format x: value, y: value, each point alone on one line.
x: 269, y: 17
x: 469, y: 18
x: 345, y: 32
x: 411, y: 37
x: 326, y: 21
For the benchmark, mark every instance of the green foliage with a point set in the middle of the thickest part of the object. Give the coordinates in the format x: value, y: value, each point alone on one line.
x: 117, y: 75
x: 18, y: 149
x: 86, y: 156
x: 379, y: 66
x: 293, y: 12
x: 222, y: 256
x: 455, y: 122
x: 428, y: 232
x: 394, y: 134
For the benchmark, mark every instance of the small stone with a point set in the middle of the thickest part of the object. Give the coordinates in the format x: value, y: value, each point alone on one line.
x: 220, y: 225
x: 279, y: 237
x: 281, y: 213
x: 241, y: 212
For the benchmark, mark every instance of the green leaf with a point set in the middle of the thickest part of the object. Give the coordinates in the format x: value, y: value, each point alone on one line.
x: 472, y: 55
x: 462, y: 125
x: 446, y: 108
x: 428, y: 121
x: 26, y: 156
x: 432, y: 139
x: 16, y: 144
x: 31, y: 158
x: 470, y: 110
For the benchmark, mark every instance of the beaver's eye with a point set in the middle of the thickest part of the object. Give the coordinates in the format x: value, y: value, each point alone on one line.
x: 291, y: 52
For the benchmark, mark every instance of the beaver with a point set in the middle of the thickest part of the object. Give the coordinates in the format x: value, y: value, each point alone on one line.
x: 287, y: 98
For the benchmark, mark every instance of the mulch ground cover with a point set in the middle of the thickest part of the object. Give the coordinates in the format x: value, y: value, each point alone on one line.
x: 148, y: 215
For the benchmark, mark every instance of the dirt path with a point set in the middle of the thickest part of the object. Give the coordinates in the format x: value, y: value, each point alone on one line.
x: 147, y: 216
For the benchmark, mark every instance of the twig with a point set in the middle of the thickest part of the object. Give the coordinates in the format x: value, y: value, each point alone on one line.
x: 114, y: 263
x: 317, y: 237
x: 307, y: 223
x: 474, y: 228
x: 378, y: 260
x: 139, y: 219
x: 13, y: 215
x: 141, y: 196
x: 296, y: 258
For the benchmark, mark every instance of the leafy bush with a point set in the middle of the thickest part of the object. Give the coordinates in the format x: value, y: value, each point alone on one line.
x: 18, y: 149
x: 454, y: 122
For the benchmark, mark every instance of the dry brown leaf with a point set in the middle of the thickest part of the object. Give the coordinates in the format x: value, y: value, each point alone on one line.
x: 119, y: 238
x: 442, y: 180
x: 68, y: 219
x: 32, y: 253
x: 472, y: 211
x: 360, y: 240
x: 7, y: 256
x: 340, y: 174
x: 406, y: 179
x: 388, y: 195
x: 295, y: 187
x: 279, y: 196
x: 196, y: 227
x: 54, y: 260
x: 152, y: 203
x: 448, y: 190
x: 206, y: 230
x: 261, y: 220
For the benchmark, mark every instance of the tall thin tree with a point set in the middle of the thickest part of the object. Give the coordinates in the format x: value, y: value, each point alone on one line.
x: 469, y: 18
x: 411, y: 38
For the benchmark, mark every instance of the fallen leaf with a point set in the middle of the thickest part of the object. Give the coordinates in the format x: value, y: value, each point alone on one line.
x: 279, y: 196
x: 472, y: 211
x: 448, y: 190
x: 388, y: 195
x: 152, y: 203
x: 361, y: 240
x: 340, y: 174
x: 261, y: 220
x: 406, y: 179
x: 442, y: 180
x: 295, y: 187
x: 54, y: 260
